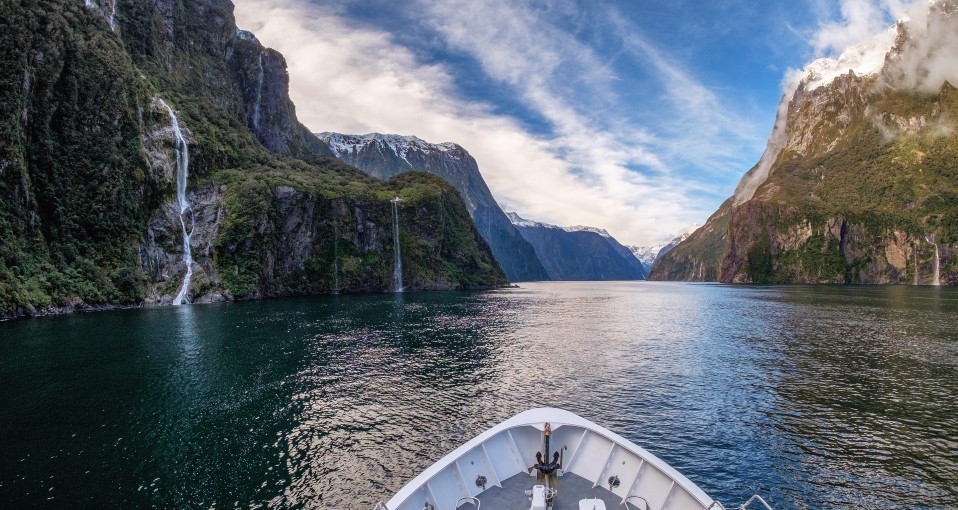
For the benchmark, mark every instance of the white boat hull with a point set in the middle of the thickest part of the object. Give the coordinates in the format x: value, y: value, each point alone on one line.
x: 588, y: 451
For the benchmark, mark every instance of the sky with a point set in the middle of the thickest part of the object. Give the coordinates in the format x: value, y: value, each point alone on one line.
x: 636, y: 116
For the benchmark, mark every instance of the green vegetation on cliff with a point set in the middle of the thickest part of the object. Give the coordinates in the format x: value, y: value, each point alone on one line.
x: 86, y: 184
x: 865, y: 189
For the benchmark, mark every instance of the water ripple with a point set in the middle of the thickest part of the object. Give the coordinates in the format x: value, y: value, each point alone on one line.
x: 815, y: 397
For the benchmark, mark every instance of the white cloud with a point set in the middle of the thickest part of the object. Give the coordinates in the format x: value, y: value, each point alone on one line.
x: 352, y: 79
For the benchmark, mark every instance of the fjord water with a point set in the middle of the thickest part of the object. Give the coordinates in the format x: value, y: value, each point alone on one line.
x: 814, y: 397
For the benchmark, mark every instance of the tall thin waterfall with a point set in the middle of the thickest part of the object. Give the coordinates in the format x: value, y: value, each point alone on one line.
x: 935, y: 275
x: 182, y: 174
x: 259, y: 94
x: 112, y: 18
x: 397, y: 264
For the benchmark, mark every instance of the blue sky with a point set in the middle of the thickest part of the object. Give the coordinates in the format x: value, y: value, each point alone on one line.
x: 635, y: 116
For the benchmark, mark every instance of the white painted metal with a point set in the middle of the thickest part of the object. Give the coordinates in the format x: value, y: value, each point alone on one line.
x: 596, y: 454
x: 592, y: 504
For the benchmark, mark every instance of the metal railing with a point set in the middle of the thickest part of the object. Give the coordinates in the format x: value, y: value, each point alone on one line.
x: 645, y: 506
x: 743, y: 506
x: 753, y: 499
x: 468, y: 499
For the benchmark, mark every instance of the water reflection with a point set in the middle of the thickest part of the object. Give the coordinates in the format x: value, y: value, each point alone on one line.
x: 813, y: 396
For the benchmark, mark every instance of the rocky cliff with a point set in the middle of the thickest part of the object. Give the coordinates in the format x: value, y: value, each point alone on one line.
x: 148, y: 144
x: 579, y: 253
x: 384, y: 156
x: 859, y: 183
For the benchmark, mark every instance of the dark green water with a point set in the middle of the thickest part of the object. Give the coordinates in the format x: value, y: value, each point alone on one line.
x: 814, y: 397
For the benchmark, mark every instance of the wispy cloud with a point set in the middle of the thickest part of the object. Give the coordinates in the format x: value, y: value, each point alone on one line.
x: 606, y: 169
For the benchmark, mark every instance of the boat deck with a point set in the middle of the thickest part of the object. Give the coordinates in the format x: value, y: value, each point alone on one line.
x: 571, y: 489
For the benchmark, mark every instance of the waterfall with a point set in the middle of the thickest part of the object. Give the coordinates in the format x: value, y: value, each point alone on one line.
x: 936, y: 277
x: 112, y: 19
x: 259, y: 94
x: 397, y: 264
x: 182, y: 174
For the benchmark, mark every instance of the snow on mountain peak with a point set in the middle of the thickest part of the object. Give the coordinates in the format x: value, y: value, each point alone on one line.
x: 522, y: 222
x: 519, y: 221
x: 863, y: 59
x: 648, y: 254
x: 400, y: 145
x: 582, y: 228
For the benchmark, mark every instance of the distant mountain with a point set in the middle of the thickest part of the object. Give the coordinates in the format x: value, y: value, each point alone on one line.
x: 384, y: 156
x: 649, y: 254
x: 859, y: 182
x: 645, y: 254
x: 579, y: 253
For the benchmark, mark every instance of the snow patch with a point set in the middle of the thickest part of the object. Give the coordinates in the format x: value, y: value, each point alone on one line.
x: 522, y: 222
x: 401, y: 146
x: 863, y: 59
x: 649, y: 254
x: 582, y: 228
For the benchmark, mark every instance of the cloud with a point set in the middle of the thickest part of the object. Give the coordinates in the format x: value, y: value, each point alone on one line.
x: 929, y: 58
x: 594, y: 169
x: 860, y: 21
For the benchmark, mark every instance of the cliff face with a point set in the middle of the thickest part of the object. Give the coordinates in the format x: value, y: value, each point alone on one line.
x: 270, y: 114
x: 699, y: 257
x: 385, y: 156
x: 862, y: 186
x: 130, y: 127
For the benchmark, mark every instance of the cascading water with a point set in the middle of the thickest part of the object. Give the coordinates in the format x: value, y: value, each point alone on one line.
x: 112, y: 19
x: 259, y: 94
x: 182, y: 174
x: 397, y: 264
x: 935, y: 275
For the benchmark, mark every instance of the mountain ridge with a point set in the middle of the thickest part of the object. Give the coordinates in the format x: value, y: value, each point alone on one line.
x: 579, y: 253
x: 857, y: 183
x: 384, y: 156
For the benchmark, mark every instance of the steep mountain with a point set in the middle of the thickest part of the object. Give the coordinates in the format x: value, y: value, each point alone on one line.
x: 859, y: 182
x: 149, y: 153
x: 384, y: 156
x: 579, y: 253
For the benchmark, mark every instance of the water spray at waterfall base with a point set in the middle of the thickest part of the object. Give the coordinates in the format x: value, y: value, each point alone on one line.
x: 397, y: 263
x: 182, y: 174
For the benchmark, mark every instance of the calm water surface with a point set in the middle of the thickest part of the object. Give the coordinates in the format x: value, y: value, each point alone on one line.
x: 814, y: 397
